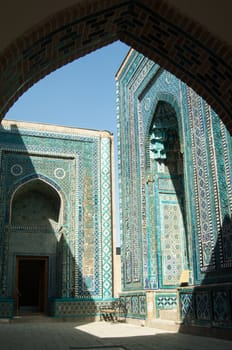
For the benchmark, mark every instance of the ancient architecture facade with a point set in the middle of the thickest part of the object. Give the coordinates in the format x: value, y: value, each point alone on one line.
x: 175, y: 187
x: 56, y: 220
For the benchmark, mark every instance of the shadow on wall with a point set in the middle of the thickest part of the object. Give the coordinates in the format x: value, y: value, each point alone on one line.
x: 166, y: 157
x: 39, y: 272
x: 207, y: 308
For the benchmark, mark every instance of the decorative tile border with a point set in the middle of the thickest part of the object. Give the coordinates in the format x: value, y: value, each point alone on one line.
x: 79, y: 169
x: 78, y: 308
x: 206, y: 305
x: 135, y: 305
x: 165, y: 301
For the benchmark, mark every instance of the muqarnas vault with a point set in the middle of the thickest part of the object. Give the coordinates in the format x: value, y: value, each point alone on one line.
x: 175, y: 174
x: 56, y: 220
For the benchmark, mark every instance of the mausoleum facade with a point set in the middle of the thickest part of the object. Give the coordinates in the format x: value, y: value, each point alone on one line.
x: 175, y: 175
x: 56, y: 218
x: 175, y: 187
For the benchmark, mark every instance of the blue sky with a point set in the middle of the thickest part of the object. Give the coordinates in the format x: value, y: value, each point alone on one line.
x: 80, y: 94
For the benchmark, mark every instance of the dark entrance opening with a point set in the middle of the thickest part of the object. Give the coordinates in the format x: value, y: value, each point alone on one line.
x: 31, y: 284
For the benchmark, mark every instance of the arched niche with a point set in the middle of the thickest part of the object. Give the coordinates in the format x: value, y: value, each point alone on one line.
x: 35, y: 203
x: 165, y: 176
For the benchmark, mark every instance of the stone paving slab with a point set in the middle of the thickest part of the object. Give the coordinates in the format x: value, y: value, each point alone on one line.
x: 100, y: 336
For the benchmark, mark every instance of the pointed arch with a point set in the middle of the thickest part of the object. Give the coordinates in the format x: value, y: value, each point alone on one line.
x: 160, y: 31
x: 166, y: 171
x: 163, y: 97
x: 171, y: 101
x: 41, y: 193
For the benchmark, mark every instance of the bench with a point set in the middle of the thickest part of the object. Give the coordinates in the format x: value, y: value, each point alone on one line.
x: 112, y: 310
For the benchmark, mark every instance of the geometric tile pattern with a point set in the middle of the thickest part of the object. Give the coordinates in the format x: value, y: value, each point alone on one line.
x: 186, y: 306
x: 142, y: 304
x: 89, y: 234
x: 166, y: 168
x: 73, y: 165
x: 201, y: 182
x: 106, y: 217
x: 202, y: 306
x: 75, y: 308
x: 131, y: 180
x: 207, y: 305
x: 171, y: 242
x: 217, y: 145
x: 138, y: 200
x: 224, y: 146
x: 188, y: 207
x: 128, y: 304
x: 221, y: 306
x: 166, y: 301
x: 135, y: 305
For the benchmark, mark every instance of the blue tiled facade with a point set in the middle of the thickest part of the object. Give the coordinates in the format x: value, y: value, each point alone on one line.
x: 74, y: 168
x: 175, y: 188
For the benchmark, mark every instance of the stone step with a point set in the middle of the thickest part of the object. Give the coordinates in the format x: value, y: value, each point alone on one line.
x: 168, y: 325
x: 33, y: 318
x: 4, y: 320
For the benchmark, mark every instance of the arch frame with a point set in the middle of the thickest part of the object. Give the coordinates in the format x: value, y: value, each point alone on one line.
x: 170, y: 99
x: 157, y: 29
x: 49, y: 182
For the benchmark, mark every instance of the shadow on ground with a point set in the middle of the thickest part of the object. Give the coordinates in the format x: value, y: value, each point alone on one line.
x: 99, y: 335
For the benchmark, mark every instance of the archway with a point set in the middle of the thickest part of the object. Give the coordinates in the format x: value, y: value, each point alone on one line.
x: 35, y: 214
x: 35, y: 203
x: 57, y: 42
x: 166, y: 182
x: 156, y: 29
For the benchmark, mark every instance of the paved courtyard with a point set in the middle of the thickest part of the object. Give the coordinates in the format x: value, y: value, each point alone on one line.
x: 99, y: 335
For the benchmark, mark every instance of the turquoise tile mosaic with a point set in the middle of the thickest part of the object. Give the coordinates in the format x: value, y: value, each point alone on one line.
x: 175, y: 190
x: 56, y: 189
x: 176, y: 205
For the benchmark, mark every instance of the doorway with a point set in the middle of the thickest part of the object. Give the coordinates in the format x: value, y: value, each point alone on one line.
x: 31, y: 284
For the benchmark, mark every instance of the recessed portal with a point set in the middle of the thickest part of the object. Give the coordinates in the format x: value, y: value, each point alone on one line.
x: 31, y: 284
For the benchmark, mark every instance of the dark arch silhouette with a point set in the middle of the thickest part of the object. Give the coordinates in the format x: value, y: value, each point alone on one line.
x: 154, y: 28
